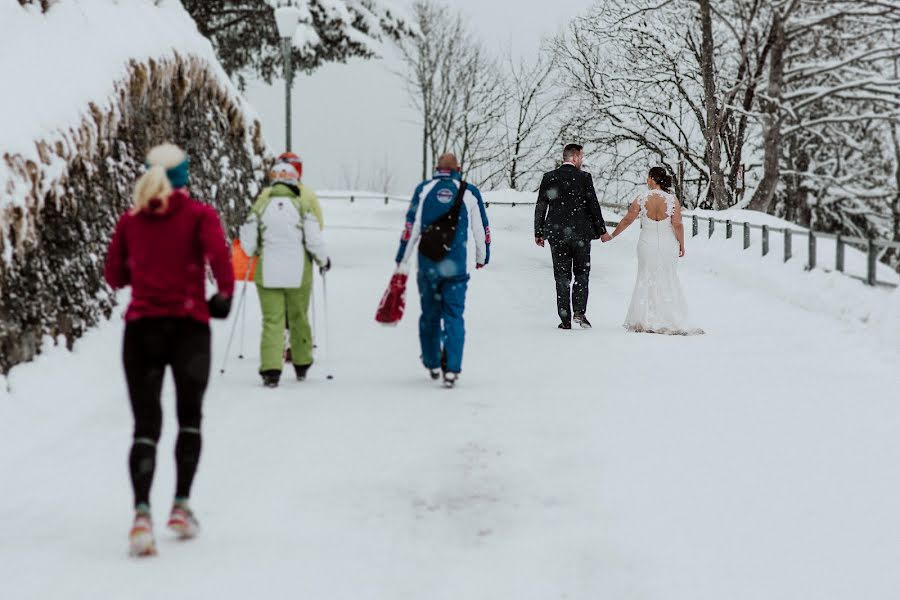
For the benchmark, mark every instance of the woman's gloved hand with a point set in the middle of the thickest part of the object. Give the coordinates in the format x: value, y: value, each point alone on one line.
x: 326, y: 267
x: 219, y: 306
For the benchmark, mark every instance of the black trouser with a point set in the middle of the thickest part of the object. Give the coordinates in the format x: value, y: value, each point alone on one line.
x: 573, y: 256
x: 150, y: 346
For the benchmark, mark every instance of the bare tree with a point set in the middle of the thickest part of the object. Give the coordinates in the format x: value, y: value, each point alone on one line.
x: 650, y: 94
x: 457, y: 88
x: 530, y: 133
x: 829, y: 84
x: 714, y: 113
x: 637, y: 93
x: 427, y: 61
x: 351, y: 178
x: 381, y: 177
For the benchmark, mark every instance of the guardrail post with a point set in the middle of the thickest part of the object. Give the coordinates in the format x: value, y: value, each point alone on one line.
x: 765, y: 240
x: 872, y: 274
x: 351, y: 198
x: 788, y: 250
x: 695, y: 227
x: 746, y: 235
x: 839, y: 254
x: 812, y: 250
x: 385, y: 200
x: 728, y: 229
x: 712, y: 226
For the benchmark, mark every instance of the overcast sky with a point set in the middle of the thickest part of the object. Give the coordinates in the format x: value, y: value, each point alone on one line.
x: 353, y: 122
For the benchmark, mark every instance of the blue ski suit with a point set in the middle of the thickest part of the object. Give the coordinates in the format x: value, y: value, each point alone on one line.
x: 443, y: 285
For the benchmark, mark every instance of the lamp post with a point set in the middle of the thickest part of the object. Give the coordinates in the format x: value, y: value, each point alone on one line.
x: 287, y: 18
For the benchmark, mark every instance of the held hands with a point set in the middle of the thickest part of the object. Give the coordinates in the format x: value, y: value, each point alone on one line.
x: 605, y: 238
x: 479, y: 266
x: 539, y: 241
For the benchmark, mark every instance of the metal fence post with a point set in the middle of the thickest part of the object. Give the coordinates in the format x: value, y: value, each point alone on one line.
x: 746, y: 235
x: 839, y: 254
x: 351, y: 198
x: 765, y: 240
x: 385, y: 200
x: 695, y: 228
x: 788, y: 250
x: 712, y: 226
x: 728, y: 229
x: 872, y: 275
x: 812, y: 250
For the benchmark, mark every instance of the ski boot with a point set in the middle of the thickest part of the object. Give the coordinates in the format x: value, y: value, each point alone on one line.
x: 435, y: 374
x: 182, y: 521
x: 140, y: 539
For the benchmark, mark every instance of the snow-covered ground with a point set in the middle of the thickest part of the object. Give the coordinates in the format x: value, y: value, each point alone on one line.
x: 757, y: 461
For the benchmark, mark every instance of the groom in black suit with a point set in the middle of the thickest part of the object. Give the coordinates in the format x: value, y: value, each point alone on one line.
x: 568, y: 216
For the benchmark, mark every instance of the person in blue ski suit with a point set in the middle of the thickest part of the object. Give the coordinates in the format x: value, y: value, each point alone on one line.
x: 442, y: 285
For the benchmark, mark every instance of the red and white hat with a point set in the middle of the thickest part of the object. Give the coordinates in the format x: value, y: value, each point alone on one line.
x: 294, y: 160
x: 284, y: 172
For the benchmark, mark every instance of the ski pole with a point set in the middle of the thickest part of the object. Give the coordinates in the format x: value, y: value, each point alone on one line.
x: 236, y: 317
x: 243, y: 322
x: 312, y: 292
x: 325, y: 327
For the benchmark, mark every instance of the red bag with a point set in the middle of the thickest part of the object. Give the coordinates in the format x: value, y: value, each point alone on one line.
x: 393, y: 303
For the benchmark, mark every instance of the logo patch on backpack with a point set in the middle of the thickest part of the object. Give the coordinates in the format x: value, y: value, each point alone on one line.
x: 445, y: 196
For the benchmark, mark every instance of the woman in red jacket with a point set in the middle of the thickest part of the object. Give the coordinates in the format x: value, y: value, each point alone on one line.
x: 161, y: 248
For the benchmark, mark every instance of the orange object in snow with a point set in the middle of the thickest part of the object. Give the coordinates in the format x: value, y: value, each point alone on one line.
x: 241, y: 262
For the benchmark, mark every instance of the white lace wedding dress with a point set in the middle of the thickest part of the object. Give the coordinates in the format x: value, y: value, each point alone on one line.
x: 658, y: 304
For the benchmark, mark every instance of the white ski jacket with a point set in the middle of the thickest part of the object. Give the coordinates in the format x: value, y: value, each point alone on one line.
x: 281, y: 229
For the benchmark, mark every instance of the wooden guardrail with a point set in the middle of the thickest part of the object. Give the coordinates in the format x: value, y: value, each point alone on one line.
x: 872, y: 247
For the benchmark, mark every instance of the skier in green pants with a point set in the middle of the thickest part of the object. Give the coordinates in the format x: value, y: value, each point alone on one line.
x: 283, y: 230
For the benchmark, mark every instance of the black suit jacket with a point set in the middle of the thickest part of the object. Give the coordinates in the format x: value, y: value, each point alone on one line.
x: 567, y: 207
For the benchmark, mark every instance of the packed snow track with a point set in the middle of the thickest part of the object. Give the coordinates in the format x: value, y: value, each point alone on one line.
x: 757, y: 461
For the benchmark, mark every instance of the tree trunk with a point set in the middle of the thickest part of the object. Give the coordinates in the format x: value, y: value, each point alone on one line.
x: 514, y: 166
x: 892, y: 256
x: 894, y: 133
x: 425, y: 150
x: 713, y: 144
x: 896, y: 140
x: 765, y: 193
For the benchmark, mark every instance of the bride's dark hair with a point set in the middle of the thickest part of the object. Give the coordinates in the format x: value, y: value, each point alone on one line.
x: 662, y: 178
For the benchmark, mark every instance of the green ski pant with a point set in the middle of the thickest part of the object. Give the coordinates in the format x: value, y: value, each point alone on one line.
x: 278, y: 304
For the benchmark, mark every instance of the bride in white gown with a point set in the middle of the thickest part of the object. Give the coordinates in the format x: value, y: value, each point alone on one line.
x: 658, y: 304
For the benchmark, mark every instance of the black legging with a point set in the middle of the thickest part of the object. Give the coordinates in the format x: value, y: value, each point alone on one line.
x: 150, y: 346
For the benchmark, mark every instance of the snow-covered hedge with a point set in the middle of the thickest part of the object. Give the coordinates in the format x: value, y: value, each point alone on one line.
x: 96, y: 83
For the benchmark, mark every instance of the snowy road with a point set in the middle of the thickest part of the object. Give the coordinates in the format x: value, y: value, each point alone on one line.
x: 758, y: 461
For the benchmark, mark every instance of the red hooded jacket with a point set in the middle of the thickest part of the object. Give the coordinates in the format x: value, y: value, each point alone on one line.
x: 163, y: 257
